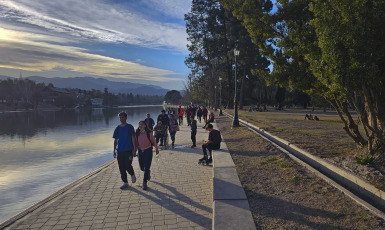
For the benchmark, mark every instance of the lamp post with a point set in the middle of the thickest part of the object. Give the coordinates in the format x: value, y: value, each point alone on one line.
x: 220, y: 97
x: 215, y: 100
x: 235, y: 120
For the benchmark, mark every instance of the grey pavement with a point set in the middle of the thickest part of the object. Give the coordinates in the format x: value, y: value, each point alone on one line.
x: 180, y: 196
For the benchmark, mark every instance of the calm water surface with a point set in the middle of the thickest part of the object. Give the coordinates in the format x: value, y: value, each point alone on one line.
x: 41, y: 152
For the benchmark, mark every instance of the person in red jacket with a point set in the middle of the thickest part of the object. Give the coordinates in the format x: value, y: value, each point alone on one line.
x: 180, y: 115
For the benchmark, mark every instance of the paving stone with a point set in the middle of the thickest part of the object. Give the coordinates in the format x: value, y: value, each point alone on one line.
x: 179, y: 187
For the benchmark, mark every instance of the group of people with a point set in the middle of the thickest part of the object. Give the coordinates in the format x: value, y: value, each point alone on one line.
x: 310, y: 117
x: 129, y: 143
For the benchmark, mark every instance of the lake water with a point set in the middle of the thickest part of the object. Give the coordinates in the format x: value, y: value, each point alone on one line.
x: 42, y: 152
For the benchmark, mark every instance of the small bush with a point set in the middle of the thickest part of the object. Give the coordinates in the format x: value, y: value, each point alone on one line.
x: 364, y: 160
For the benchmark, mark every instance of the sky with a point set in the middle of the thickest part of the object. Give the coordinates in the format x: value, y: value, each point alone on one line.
x: 141, y: 41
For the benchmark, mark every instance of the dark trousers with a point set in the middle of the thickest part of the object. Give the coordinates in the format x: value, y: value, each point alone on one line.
x: 125, y: 164
x: 180, y: 120
x: 172, y: 135
x: 200, y: 118
x: 205, y: 117
x: 145, y: 159
x: 210, y: 147
x: 193, y: 137
x: 160, y: 137
x: 188, y: 120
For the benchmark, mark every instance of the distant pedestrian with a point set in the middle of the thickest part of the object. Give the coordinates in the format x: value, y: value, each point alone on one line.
x: 145, y: 142
x: 180, y: 115
x: 199, y: 114
x: 163, y: 117
x: 193, y: 132
x: 210, y: 120
x: 188, y: 115
x: 124, y: 148
x: 160, y: 133
x: 149, y: 122
x: 173, y: 128
x: 213, y: 142
x: 205, y: 112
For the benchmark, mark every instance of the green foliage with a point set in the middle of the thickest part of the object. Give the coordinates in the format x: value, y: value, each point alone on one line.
x: 364, y: 160
x: 331, y: 48
x: 214, y: 33
x: 173, y: 97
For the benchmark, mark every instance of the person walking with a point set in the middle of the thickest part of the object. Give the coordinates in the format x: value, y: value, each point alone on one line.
x: 205, y: 112
x: 149, y: 122
x: 210, y: 120
x: 213, y: 142
x: 160, y: 133
x: 188, y: 115
x: 125, y: 148
x: 193, y: 132
x: 145, y: 142
x: 163, y: 117
x: 173, y: 128
x: 180, y: 115
x: 199, y: 114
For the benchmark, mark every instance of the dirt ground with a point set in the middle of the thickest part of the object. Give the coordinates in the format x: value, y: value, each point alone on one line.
x: 283, y: 194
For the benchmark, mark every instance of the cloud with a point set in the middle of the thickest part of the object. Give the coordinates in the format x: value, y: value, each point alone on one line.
x: 102, y: 21
x: 176, y: 9
x: 37, y: 52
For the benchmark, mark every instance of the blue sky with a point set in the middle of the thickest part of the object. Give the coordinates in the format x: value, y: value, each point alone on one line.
x: 142, y: 41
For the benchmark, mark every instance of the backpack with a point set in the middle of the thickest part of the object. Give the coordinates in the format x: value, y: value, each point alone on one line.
x: 129, y: 127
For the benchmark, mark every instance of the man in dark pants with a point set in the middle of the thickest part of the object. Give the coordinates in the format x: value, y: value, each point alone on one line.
x: 163, y: 117
x: 193, y: 132
x: 214, y: 142
x: 124, y: 144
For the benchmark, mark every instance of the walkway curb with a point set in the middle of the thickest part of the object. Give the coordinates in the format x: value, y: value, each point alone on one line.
x: 369, y: 196
x: 231, y: 208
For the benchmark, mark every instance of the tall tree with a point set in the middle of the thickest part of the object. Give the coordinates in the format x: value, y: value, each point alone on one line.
x: 332, y: 48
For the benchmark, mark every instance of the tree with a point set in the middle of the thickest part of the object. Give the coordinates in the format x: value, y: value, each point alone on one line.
x: 331, y: 48
x: 173, y: 97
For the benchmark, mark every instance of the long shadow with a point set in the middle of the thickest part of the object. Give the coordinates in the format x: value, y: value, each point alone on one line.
x: 296, y: 213
x: 285, y: 210
x: 199, y: 219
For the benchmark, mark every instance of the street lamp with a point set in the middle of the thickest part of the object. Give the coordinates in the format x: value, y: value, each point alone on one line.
x: 220, y: 97
x: 235, y: 121
x: 215, y: 100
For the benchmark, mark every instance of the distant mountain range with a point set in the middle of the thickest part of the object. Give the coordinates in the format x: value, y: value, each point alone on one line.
x: 89, y: 83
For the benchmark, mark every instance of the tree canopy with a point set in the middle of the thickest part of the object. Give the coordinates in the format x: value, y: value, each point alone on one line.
x: 331, y: 48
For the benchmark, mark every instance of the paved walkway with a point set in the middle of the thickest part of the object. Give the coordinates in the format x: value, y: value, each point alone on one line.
x: 179, y: 196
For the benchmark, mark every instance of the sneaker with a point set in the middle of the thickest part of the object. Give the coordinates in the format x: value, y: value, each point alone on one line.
x: 161, y: 145
x: 144, y: 185
x: 203, y: 159
x: 125, y: 185
x: 133, y: 178
x: 210, y: 160
x: 193, y: 146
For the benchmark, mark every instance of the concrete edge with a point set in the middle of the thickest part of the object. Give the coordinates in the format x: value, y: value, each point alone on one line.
x: 54, y: 195
x: 355, y: 187
x: 231, y: 208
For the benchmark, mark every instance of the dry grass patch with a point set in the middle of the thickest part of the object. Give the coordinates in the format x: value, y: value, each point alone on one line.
x: 284, y: 195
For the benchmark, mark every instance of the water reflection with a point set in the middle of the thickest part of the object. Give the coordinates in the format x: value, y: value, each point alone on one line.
x: 41, y: 152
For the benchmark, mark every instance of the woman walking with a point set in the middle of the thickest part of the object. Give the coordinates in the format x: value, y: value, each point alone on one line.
x: 144, y: 142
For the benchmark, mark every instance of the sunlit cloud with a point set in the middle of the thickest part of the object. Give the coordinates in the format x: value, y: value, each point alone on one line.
x: 100, y: 21
x: 36, y: 52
